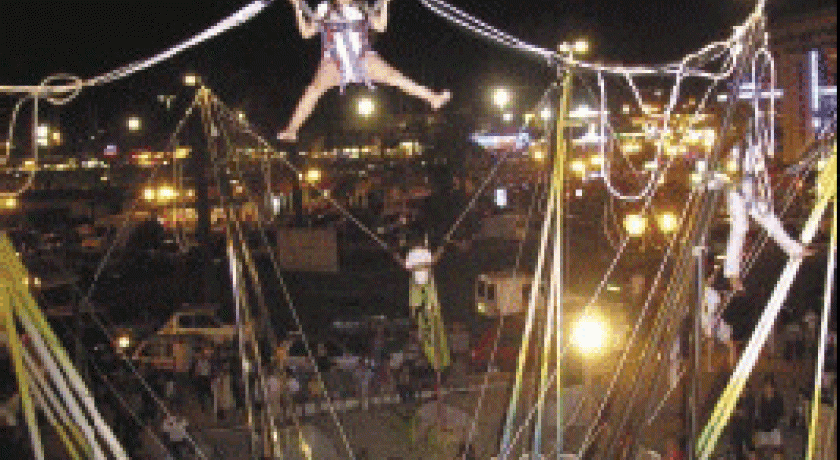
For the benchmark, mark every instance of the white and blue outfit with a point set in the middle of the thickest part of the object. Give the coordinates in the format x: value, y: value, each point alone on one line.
x: 345, y: 40
x: 749, y: 197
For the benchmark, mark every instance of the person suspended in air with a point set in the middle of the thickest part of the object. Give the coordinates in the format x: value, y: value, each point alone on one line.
x: 424, y: 305
x: 347, y: 57
x: 748, y: 195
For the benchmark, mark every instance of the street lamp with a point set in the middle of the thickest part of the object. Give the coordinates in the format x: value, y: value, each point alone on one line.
x: 668, y: 222
x: 313, y: 175
x: 365, y: 107
x: 43, y: 135
x: 635, y: 225
x: 134, y: 124
x: 590, y: 335
x: 579, y: 46
x: 191, y: 79
x: 501, y: 97
x: 578, y: 167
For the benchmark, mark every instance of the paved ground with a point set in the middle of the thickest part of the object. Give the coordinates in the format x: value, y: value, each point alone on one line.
x: 389, y: 430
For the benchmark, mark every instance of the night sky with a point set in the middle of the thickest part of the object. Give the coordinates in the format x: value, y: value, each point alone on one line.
x: 263, y: 65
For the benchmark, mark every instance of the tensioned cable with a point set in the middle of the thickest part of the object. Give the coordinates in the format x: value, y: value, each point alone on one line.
x: 64, y: 93
x: 249, y: 263
x: 710, y: 208
x: 464, y: 20
x: 238, y: 287
x: 790, y: 194
x: 286, y: 294
x: 497, y: 337
x: 459, y: 220
x: 85, y: 297
x: 257, y: 286
x: 236, y: 19
x: 600, y: 287
x: 753, y: 256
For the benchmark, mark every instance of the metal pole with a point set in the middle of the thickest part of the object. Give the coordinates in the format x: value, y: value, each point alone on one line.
x: 559, y: 178
x: 201, y: 171
x: 696, y: 349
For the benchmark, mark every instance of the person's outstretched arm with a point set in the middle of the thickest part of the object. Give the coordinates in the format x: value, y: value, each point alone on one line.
x: 306, y: 26
x: 379, y: 17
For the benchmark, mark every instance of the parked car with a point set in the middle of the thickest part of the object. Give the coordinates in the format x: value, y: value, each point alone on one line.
x: 337, y: 352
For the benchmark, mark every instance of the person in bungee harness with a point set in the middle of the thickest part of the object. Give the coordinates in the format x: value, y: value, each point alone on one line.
x: 346, y: 56
x: 748, y: 195
x: 425, y: 307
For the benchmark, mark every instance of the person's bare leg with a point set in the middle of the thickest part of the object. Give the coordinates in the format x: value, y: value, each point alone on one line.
x: 381, y: 72
x: 326, y: 77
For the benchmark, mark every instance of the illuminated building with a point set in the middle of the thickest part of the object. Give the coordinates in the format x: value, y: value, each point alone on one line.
x: 805, y: 48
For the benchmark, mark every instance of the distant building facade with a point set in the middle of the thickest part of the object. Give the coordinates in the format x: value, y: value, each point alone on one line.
x: 805, y: 48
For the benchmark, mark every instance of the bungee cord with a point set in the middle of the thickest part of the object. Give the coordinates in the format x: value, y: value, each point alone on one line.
x: 71, y: 90
x: 62, y: 93
x: 648, y: 201
x: 249, y: 264
x: 682, y: 67
x: 224, y: 110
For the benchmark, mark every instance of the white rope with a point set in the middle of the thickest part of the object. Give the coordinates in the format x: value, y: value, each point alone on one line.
x: 64, y: 93
x: 761, y: 332
x: 463, y: 19
x: 223, y: 110
x: 53, y: 93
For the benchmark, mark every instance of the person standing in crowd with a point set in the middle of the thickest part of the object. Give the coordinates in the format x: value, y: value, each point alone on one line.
x: 203, y: 374
x: 743, y: 447
x: 771, y: 411
x: 175, y: 431
x: 363, y: 374
x: 276, y: 393
x: 223, y: 391
x: 674, y: 448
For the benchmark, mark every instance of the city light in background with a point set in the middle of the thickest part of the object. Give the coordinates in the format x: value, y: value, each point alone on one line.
x: 635, y: 225
x: 365, y: 107
x: 668, y: 222
x: 501, y: 98
x: 590, y: 335
x: 312, y: 176
x: 191, y: 80
x: 134, y: 124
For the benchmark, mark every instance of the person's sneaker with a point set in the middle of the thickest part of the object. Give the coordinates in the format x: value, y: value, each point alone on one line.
x: 441, y: 99
x: 286, y: 136
x: 736, y: 285
x: 806, y: 250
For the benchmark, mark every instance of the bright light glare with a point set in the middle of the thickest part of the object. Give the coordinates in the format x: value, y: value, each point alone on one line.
x: 313, y: 176
x: 365, y: 107
x: 581, y: 46
x: 134, y: 124
x: 123, y: 342
x: 501, y: 97
x: 667, y: 222
x: 590, y: 335
x: 166, y: 192
x: 635, y: 224
x: 508, y: 117
x: 191, y: 79
x: 545, y: 114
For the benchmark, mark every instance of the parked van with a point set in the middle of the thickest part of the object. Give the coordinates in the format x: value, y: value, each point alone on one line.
x: 502, y: 293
